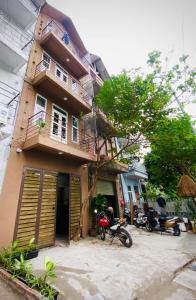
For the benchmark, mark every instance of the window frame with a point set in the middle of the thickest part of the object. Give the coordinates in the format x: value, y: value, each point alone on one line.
x: 63, y: 72
x: 52, y: 121
x: 45, y: 108
x: 77, y: 128
x: 44, y: 52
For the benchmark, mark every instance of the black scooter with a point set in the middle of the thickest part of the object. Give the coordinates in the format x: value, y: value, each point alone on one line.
x: 155, y: 222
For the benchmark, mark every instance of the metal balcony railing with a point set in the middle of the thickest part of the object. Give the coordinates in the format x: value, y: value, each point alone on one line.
x: 71, y: 84
x: 64, y: 36
x: 57, y: 128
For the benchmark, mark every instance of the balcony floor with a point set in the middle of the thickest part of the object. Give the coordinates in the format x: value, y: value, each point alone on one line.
x: 49, y: 145
x: 58, y: 49
x: 14, y: 60
x: 51, y: 85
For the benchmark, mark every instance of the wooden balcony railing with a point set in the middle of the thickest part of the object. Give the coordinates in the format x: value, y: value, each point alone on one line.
x: 57, y: 128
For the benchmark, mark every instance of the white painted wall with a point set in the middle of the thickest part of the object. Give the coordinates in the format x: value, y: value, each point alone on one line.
x: 14, y: 38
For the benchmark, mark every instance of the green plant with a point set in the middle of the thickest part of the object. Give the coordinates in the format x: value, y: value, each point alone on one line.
x: 99, y: 203
x: 31, y: 245
x: 49, y: 269
x: 22, y: 268
x: 41, y: 125
x: 191, y: 208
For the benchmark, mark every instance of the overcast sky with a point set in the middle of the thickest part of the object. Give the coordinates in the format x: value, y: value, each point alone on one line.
x: 123, y: 32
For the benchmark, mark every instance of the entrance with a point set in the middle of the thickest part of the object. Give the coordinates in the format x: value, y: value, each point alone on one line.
x: 107, y: 189
x: 62, y: 208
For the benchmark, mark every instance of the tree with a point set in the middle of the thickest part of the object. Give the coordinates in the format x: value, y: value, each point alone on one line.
x: 134, y: 103
x: 173, y: 145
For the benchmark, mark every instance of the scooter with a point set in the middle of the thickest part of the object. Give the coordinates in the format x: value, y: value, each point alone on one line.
x: 140, y: 219
x: 155, y: 222
x: 116, y: 231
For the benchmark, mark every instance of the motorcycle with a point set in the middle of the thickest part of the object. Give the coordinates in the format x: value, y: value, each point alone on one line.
x: 115, y: 231
x: 162, y: 223
x: 140, y: 219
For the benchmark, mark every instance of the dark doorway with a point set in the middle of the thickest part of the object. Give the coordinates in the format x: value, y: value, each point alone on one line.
x: 112, y: 201
x: 62, y: 212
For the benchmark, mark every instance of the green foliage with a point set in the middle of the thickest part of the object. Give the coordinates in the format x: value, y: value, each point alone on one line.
x: 152, y: 192
x: 49, y: 269
x: 132, y: 105
x: 173, y: 145
x: 41, y: 125
x: 99, y: 203
x: 191, y: 206
x: 20, y: 268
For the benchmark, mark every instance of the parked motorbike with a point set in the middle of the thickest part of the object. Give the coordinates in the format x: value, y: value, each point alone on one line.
x: 156, y: 222
x: 118, y: 230
x: 127, y: 215
x: 140, y: 219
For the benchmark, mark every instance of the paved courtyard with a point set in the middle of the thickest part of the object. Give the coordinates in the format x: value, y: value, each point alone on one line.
x: 150, y: 269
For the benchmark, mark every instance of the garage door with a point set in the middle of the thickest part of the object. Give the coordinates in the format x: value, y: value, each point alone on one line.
x: 105, y: 187
x: 36, y: 210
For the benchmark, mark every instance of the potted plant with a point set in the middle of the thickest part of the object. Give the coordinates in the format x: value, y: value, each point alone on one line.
x: 97, y: 203
x: 22, y: 270
x: 30, y: 251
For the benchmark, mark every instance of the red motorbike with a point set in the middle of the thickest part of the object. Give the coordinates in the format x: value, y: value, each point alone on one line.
x: 117, y: 230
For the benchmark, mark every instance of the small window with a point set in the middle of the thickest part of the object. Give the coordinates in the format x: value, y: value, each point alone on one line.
x: 75, y: 130
x: 61, y: 74
x: 46, y: 60
x: 40, y: 108
x: 129, y: 188
x: 74, y: 86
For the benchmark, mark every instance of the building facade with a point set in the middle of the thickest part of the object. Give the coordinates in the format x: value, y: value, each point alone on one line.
x: 17, y: 22
x: 133, y: 184
x: 46, y: 184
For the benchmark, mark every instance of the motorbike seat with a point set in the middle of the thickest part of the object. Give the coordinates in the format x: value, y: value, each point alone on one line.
x: 165, y: 218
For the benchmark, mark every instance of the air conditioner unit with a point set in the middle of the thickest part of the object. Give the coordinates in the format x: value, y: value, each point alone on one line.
x: 3, y: 114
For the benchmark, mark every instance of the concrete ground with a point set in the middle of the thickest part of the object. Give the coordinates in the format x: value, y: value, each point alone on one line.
x: 94, y: 270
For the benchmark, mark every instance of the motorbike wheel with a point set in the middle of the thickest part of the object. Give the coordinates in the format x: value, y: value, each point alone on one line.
x: 148, y: 227
x: 125, y: 238
x: 136, y: 224
x: 102, y: 233
x: 177, y: 231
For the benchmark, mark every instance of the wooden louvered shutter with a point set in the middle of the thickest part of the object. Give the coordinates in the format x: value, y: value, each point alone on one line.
x: 28, y: 207
x: 75, y: 206
x: 47, y: 219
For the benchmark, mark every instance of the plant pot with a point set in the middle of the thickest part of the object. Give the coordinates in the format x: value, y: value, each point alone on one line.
x: 31, y: 254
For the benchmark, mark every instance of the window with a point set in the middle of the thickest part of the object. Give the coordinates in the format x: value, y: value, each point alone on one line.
x: 75, y: 130
x: 74, y: 86
x: 61, y: 74
x: 59, y: 124
x: 46, y: 60
x: 40, y: 108
x: 130, y: 193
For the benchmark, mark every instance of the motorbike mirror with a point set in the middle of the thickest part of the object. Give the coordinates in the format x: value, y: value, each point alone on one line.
x: 95, y: 211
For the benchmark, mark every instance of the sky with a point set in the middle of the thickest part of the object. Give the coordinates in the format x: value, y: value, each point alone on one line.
x: 123, y: 32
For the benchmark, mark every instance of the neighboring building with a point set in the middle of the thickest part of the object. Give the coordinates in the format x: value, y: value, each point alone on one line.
x: 133, y: 184
x: 17, y: 22
x: 46, y: 182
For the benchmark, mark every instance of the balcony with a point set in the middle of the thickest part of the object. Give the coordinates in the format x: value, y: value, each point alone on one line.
x: 51, y: 133
x: 53, y: 80
x: 58, y: 43
x: 97, y: 81
x: 22, y: 12
x: 137, y: 171
x: 14, y: 45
